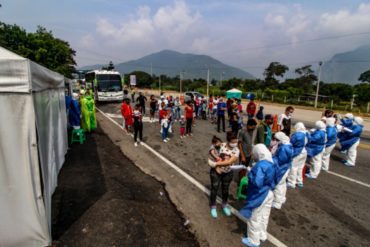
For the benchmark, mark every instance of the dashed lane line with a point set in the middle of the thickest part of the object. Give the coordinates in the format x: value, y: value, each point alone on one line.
x: 349, y: 179
x: 270, y: 238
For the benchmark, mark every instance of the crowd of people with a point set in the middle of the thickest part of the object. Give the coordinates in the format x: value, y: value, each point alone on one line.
x: 265, y: 148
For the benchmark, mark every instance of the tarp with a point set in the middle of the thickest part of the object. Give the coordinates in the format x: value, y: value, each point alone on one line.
x: 33, y: 143
x: 234, y: 93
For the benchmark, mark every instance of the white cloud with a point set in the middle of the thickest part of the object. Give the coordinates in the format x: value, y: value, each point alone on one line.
x: 344, y: 21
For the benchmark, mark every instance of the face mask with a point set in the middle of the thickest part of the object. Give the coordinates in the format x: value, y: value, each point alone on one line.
x: 233, y: 145
x: 218, y: 147
x: 290, y: 114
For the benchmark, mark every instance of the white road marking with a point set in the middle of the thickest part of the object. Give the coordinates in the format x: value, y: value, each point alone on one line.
x: 349, y: 179
x: 270, y: 238
x: 112, y: 115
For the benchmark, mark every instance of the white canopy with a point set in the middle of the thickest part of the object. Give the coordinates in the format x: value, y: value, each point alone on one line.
x: 234, y: 90
x: 33, y: 142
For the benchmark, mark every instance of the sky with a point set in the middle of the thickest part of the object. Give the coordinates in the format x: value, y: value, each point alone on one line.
x: 248, y: 34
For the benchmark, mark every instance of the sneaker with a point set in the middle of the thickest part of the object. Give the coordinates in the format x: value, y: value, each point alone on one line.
x: 343, y: 151
x: 348, y: 164
x: 165, y: 140
x: 248, y: 243
x: 226, y: 211
x: 214, y: 213
x: 135, y: 144
x: 276, y: 205
x: 290, y: 186
x: 181, y: 137
x: 308, y: 175
x: 300, y: 185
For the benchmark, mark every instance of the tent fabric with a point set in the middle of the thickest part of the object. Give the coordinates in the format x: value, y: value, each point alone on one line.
x: 22, y: 211
x: 33, y: 143
x: 234, y: 93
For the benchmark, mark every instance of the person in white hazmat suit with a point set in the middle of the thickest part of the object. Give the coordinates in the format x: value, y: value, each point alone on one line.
x: 349, y: 141
x: 261, y: 182
x: 283, y: 160
x: 299, y: 141
x: 331, y: 140
x: 315, y: 149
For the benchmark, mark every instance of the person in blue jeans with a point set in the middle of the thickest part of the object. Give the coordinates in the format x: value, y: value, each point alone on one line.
x: 221, y: 108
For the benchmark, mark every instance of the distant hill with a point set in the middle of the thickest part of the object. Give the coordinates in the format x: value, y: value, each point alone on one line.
x: 346, y: 67
x: 171, y: 63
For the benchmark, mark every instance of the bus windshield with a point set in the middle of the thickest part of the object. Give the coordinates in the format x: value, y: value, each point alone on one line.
x: 109, y: 83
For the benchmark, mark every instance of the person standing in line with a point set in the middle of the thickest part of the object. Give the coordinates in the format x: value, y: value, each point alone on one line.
x: 133, y: 92
x: 153, y: 107
x: 285, y: 121
x: 138, y: 124
x: 223, y: 176
x: 177, y: 109
x: 331, y: 136
x: 141, y: 99
x: 299, y: 141
x: 126, y: 111
x: 260, y: 114
x: 315, y: 149
x: 165, y: 126
x: 247, y: 139
x: 234, y: 119
x: 351, y: 141
x: 189, y: 118
x: 251, y: 107
x: 182, y: 126
x: 283, y: 161
x: 261, y: 183
x: 221, y: 108
x: 264, y: 133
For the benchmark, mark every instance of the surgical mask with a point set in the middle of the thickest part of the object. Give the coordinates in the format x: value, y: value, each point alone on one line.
x: 347, y: 122
x: 233, y: 145
x: 290, y: 114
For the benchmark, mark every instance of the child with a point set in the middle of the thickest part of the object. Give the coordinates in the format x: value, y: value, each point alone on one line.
x: 126, y: 111
x: 165, y: 126
x: 214, y: 154
x: 259, y: 115
x: 138, y: 124
x: 182, y: 126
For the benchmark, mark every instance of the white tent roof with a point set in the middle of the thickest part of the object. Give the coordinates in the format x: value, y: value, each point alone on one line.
x: 234, y: 90
x: 16, y: 73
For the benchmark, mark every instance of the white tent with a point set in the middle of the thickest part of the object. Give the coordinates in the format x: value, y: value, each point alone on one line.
x: 33, y: 143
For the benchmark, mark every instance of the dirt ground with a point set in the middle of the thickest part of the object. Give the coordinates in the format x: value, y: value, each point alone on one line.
x: 103, y: 199
x: 329, y: 211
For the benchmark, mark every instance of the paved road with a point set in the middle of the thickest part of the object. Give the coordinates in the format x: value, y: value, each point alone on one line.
x: 329, y: 211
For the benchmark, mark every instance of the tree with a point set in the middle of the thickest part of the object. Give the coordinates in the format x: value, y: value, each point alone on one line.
x: 275, y: 69
x: 41, y: 47
x: 362, y: 91
x: 143, y: 80
x: 338, y: 91
x: 365, y: 76
x: 306, y: 78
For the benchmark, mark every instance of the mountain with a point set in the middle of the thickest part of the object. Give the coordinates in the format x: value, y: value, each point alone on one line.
x: 347, y: 67
x: 171, y: 63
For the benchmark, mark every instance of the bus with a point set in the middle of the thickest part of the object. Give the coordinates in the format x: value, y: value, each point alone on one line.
x: 106, y: 85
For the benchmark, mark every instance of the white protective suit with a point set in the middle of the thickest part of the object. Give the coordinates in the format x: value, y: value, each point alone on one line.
x: 315, y: 162
x: 352, y: 151
x: 281, y: 186
x: 330, y: 122
x: 257, y: 223
x: 295, y: 173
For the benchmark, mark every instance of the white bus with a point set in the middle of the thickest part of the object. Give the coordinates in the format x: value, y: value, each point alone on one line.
x: 106, y: 85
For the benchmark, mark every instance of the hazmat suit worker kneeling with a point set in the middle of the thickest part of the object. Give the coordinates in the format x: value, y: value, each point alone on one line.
x: 283, y: 160
x: 261, y: 183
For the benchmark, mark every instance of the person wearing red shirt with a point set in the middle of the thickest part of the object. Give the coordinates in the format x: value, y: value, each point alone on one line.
x: 189, y: 118
x: 126, y: 111
x: 251, y: 108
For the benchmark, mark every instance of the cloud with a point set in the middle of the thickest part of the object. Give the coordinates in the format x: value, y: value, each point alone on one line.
x: 344, y: 21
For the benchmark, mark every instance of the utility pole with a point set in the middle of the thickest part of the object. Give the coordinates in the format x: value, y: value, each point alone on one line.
x: 160, y: 84
x: 151, y: 69
x: 318, y: 84
x: 207, y: 84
